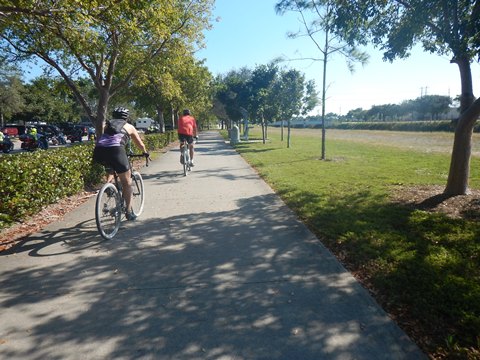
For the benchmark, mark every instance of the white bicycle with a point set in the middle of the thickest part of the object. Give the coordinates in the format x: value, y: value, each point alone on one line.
x: 185, y: 155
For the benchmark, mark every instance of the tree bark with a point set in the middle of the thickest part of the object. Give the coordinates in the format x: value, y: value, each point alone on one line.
x: 161, y: 119
x: 263, y: 130
x: 100, y: 119
x: 458, y: 176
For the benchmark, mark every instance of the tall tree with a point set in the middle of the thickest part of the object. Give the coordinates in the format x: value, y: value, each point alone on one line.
x: 324, y: 40
x: 441, y: 27
x: 110, y: 41
x: 294, y: 96
x: 261, y: 88
x: 233, y: 92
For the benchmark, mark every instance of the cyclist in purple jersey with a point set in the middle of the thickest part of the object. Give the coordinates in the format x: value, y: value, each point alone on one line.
x: 110, y: 152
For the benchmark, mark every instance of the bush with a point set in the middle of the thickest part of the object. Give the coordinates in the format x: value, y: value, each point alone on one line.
x: 159, y: 141
x: 33, y: 180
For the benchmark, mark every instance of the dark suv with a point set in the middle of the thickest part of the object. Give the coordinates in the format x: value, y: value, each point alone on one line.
x: 72, y: 129
x: 48, y: 130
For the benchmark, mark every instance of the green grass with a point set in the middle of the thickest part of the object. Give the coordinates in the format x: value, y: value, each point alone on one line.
x: 423, y: 267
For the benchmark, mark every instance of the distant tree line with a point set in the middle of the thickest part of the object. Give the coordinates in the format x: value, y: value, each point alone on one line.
x: 428, y: 107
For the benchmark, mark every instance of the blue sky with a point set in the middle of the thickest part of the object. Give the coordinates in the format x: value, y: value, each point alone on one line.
x: 249, y: 33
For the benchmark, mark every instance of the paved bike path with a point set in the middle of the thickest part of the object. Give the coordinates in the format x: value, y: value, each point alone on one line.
x: 217, y: 267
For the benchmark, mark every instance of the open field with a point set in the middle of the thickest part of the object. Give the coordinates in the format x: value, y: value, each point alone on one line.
x: 419, y: 141
x: 376, y: 204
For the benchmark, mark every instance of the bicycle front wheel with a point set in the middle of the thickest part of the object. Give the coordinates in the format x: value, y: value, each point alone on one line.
x: 138, y: 195
x: 108, y: 211
x: 186, y: 159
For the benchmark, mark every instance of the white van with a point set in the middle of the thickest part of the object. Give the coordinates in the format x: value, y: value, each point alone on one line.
x: 144, y: 123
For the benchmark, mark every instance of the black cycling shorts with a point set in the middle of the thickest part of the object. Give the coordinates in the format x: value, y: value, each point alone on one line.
x: 189, y: 138
x: 114, y: 157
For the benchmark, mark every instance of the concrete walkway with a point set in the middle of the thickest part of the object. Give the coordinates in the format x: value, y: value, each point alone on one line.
x: 217, y: 267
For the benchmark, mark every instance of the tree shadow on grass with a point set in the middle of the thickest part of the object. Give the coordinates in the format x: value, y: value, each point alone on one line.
x: 433, y: 201
x: 397, y: 252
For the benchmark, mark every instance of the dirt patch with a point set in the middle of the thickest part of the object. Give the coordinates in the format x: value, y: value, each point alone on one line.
x: 431, y: 198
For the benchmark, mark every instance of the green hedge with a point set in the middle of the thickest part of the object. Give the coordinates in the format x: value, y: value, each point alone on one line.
x: 159, y: 141
x: 447, y: 126
x: 32, y: 180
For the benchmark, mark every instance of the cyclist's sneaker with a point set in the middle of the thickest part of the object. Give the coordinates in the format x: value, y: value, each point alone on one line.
x: 130, y: 216
x: 191, y: 163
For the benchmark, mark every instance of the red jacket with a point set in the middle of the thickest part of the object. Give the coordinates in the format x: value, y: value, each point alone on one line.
x: 187, y: 125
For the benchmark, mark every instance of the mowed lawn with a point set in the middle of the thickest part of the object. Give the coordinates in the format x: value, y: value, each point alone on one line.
x: 422, y: 267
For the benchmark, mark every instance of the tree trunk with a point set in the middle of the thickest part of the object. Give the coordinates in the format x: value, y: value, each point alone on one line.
x: 288, y: 133
x: 101, y: 117
x: 263, y: 130
x: 161, y: 120
x: 174, y: 118
x: 457, y: 183
x: 466, y: 98
x: 324, y: 89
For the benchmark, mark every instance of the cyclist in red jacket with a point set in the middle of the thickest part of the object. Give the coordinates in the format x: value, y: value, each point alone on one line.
x: 187, y: 130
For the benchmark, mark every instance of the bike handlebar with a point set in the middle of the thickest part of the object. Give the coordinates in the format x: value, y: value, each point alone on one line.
x: 146, y: 156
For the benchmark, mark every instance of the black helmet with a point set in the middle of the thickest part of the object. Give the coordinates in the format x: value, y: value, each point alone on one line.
x: 120, y: 113
x: 186, y: 112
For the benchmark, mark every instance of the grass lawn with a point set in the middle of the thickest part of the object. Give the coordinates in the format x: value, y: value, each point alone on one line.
x: 422, y: 267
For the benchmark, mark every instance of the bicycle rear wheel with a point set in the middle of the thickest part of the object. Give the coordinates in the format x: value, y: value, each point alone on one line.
x: 186, y: 160
x: 108, y: 211
x: 138, y: 195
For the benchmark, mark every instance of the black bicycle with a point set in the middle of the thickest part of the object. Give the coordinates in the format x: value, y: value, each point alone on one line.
x: 110, y: 204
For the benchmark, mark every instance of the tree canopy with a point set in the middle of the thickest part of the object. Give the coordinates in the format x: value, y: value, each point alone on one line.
x: 267, y: 92
x: 110, y: 42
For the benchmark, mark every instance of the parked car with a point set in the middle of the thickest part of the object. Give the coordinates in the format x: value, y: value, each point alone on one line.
x: 14, y: 129
x: 72, y: 129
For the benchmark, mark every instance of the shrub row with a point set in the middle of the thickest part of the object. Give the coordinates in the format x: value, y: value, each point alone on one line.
x: 30, y: 181
x: 448, y: 126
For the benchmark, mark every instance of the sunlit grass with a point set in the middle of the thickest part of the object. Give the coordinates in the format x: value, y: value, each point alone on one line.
x: 423, y: 264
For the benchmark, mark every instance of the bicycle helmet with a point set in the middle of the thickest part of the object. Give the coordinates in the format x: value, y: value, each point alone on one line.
x: 186, y: 112
x: 120, y: 113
